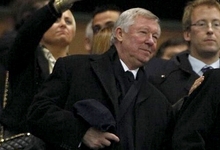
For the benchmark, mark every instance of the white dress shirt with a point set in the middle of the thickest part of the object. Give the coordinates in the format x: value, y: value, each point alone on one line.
x: 197, y: 64
x: 50, y: 58
x: 125, y: 67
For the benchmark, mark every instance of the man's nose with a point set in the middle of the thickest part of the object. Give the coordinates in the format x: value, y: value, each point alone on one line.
x: 150, y: 39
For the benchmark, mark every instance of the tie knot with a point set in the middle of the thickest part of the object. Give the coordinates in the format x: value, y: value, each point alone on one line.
x: 129, y: 76
x: 206, y: 68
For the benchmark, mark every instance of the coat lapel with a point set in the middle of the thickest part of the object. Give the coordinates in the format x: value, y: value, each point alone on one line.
x: 103, y: 68
x: 43, y: 63
x: 137, y: 92
x: 186, y: 67
x: 144, y: 91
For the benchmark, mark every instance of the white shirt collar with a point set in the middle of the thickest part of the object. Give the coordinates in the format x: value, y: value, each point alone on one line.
x: 197, y: 64
x: 125, y: 67
x: 51, y: 60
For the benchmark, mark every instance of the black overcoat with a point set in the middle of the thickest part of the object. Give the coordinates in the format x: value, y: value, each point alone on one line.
x: 81, y: 77
x: 28, y: 68
x: 174, y: 77
x: 198, y: 125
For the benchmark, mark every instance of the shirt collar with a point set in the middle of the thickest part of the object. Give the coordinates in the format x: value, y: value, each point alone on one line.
x: 125, y: 67
x: 51, y: 60
x: 197, y: 64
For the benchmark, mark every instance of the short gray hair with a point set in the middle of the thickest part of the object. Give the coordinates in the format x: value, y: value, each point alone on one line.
x: 127, y: 18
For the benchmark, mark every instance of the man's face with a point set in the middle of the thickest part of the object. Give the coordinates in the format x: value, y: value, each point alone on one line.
x: 138, y: 45
x: 62, y: 31
x: 204, y: 33
x: 104, y: 19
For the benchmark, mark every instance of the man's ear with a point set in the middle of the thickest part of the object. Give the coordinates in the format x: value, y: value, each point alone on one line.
x: 187, y: 35
x: 119, y: 34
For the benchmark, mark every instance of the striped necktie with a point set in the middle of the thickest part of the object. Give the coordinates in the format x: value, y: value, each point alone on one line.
x: 206, y: 68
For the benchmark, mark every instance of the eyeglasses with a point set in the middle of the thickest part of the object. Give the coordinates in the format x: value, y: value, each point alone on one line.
x: 204, y: 24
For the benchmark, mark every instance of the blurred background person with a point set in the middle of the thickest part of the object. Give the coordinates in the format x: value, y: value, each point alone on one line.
x: 88, y: 36
x: 102, y: 40
x: 104, y: 16
x: 171, y: 47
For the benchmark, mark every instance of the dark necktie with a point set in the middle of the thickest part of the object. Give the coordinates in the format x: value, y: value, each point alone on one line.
x: 129, y: 79
x: 206, y: 68
x: 129, y: 76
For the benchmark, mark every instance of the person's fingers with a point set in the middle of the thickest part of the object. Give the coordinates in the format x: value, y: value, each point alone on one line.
x: 111, y: 136
x: 196, y: 84
x: 106, y: 142
x: 199, y: 81
x: 96, y: 139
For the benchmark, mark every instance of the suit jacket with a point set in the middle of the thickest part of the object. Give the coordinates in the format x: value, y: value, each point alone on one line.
x: 28, y: 68
x: 198, y: 125
x: 81, y: 77
x: 173, y: 78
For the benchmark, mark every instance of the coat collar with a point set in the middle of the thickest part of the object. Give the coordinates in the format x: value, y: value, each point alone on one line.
x: 102, y: 67
x: 43, y: 63
x: 182, y: 61
x: 145, y: 90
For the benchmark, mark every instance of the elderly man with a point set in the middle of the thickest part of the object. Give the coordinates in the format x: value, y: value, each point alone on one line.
x: 89, y: 101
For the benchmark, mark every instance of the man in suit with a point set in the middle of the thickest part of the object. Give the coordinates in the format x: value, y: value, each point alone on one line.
x: 87, y: 102
x: 175, y: 77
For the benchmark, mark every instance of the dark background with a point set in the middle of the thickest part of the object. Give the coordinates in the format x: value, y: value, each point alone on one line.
x: 164, y: 9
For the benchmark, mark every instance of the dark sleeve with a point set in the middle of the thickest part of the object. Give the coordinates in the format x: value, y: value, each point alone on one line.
x: 47, y: 117
x: 197, y: 126
x: 29, y: 36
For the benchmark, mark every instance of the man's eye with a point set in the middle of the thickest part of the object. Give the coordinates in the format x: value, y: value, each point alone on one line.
x: 155, y: 37
x: 144, y: 32
x: 96, y: 29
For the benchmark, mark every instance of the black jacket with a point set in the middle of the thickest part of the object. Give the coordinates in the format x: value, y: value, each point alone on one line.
x: 198, y: 125
x: 82, y: 77
x: 173, y: 78
x: 28, y: 68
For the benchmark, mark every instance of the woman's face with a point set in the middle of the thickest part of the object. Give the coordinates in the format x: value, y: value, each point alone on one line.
x: 62, y: 31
